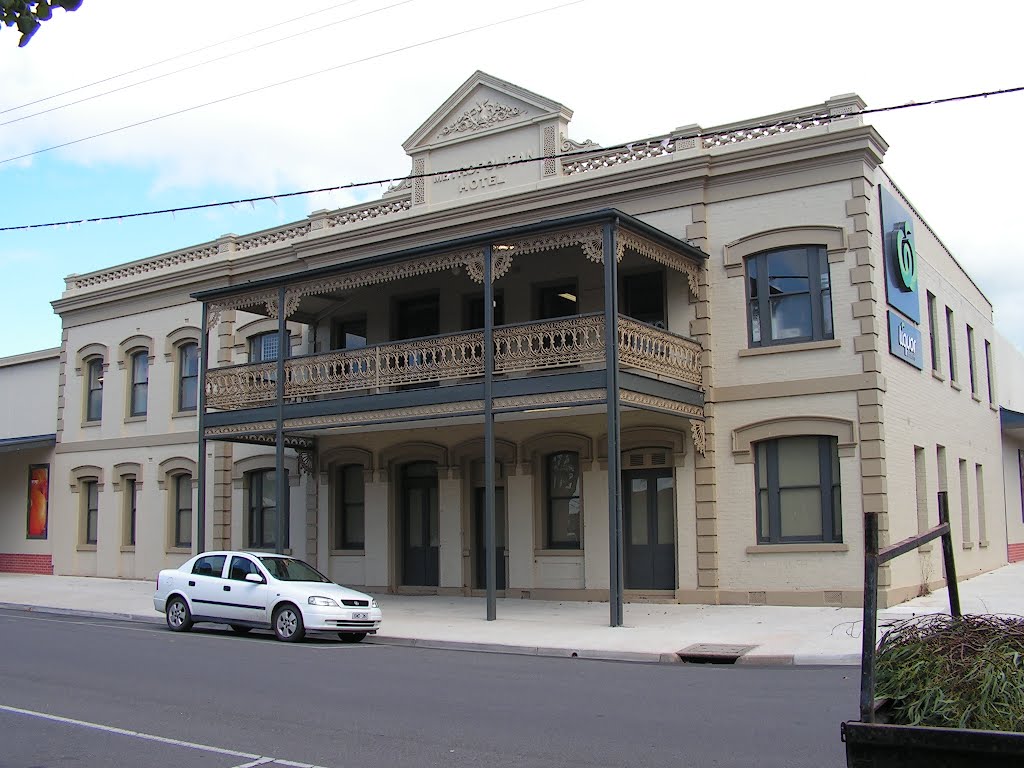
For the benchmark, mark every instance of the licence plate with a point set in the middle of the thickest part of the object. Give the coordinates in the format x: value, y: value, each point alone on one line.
x: 360, y: 616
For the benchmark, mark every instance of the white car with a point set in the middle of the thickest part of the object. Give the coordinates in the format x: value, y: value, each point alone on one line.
x: 249, y: 590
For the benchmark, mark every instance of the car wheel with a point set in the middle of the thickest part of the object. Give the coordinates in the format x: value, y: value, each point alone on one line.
x: 288, y: 624
x: 351, y: 637
x: 240, y: 629
x: 179, y: 617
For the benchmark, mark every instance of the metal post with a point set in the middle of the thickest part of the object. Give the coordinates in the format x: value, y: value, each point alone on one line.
x: 201, y: 414
x: 490, y: 557
x: 947, y: 557
x: 870, y: 630
x: 280, y: 481
x: 611, y: 346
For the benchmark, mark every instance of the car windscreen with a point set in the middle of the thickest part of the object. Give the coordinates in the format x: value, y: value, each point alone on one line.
x: 289, y: 569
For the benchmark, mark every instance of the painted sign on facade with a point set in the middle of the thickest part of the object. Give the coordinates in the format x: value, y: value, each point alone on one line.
x: 38, y: 500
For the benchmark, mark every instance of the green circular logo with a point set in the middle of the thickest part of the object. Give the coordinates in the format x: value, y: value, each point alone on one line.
x: 906, y: 257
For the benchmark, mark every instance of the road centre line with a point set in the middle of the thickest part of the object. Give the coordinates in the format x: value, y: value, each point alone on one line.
x: 257, y: 759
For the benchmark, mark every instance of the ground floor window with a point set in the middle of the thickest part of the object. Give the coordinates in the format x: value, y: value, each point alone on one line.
x: 798, y: 497
x: 262, y: 509
x: 131, y: 495
x: 562, y: 500
x: 90, y: 510
x: 349, y: 523
x: 183, y: 511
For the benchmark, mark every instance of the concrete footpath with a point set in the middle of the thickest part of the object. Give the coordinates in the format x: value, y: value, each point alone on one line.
x: 652, y: 632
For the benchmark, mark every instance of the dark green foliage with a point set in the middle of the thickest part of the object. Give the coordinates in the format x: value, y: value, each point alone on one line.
x: 954, y: 673
x: 26, y: 15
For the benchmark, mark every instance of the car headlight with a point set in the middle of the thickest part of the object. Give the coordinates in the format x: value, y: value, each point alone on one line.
x: 324, y: 601
x: 373, y: 603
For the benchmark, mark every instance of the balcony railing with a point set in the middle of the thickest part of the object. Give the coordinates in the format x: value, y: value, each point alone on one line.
x: 538, y: 346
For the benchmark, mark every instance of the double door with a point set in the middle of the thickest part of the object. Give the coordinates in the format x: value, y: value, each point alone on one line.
x: 649, y: 549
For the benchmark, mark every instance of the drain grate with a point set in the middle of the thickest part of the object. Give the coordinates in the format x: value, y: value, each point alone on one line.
x: 713, y: 653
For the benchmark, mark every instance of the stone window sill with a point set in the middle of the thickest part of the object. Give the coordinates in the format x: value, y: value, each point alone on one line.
x: 558, y: 553
x: 938, y: 377
x: 127, y: 548
x: 179, y: 551
x: 954, y: 385
x: 86, y: 548
x: 789, y: 549
x: 775, y: 349
x: 348, y: 553
x: 134, y: 419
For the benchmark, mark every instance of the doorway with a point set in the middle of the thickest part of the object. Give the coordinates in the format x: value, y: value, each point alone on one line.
x: 649, y: 549
x: 479, y: 546
x: 421, y: 531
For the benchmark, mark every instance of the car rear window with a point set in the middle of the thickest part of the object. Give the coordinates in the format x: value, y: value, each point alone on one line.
x: 210, y: 565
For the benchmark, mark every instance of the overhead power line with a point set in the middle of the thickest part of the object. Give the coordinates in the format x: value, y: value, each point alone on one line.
x: 173, y: 58
x: 297, y: 78
x: 204, y: 63
x: 814, y: 118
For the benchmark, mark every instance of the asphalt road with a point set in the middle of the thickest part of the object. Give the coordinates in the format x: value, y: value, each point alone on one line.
x: 84, y: 692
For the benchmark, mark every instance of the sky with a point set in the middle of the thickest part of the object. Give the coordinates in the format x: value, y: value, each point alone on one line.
x: 628, y: 72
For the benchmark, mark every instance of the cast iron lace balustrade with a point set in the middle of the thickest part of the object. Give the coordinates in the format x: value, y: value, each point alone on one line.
x: 536, y: 346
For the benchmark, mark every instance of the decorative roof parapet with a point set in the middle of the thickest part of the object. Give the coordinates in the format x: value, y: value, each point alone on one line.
x: 157, y: 264
x: 233, y: 243
x: 693, y: 137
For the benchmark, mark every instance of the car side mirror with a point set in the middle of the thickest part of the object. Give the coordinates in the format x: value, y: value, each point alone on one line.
x: 255, y: 578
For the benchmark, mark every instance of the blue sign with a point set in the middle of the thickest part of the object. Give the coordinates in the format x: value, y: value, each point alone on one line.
x: 905, y: 340
x: 899, y: 252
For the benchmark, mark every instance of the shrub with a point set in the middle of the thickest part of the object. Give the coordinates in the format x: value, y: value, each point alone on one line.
x: 950, y: 672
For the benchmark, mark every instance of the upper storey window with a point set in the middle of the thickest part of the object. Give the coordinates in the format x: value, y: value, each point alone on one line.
x: 94, y: 391
x: 789, y: 296
x: 188, y: 376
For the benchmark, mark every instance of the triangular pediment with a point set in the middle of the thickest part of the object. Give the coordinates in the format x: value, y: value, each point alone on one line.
x: 482, y: 104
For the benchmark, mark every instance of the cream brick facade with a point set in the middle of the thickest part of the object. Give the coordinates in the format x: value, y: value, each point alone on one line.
x: 732, y: 194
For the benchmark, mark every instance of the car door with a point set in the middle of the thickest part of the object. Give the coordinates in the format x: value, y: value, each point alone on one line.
x: 205, y: 586
x: 244, y: 601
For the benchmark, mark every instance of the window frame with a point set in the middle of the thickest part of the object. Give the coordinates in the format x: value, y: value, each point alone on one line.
x: 829, y: 487
x: 90, y: 513
x: 550, y: 542
x: 989, y: 374
x: 254, y: 480
x: 131, y: 506
x: 182, y: 491
x: 816, y: 296
x: 951, y: 345
x: 254, y: 343
x: 184, y: 376
x: 94, y: 384
x: 342, y: 539
x: 933, y: 336
x: 137, y: 385
x: 972, y: 365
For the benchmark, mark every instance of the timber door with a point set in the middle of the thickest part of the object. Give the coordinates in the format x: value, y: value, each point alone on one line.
x: 420, y: 525
x: 479, y: 551
x: 648, y: 509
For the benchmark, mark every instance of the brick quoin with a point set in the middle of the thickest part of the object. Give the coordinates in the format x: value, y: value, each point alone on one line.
x: 13, y: 563
x: 1015, y: 552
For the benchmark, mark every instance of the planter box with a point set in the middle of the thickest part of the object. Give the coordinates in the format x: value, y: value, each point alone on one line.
x: 881, y: 745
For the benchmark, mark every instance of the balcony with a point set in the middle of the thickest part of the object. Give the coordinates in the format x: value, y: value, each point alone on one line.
x: 519, y: 349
